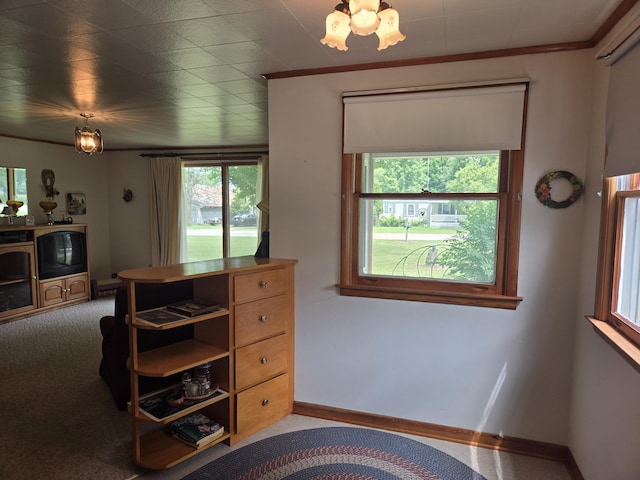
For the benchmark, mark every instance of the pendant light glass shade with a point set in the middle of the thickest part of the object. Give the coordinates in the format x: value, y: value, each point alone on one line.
x: 337, y: 30
x: 364, y: 16
x: 86, y: 140
x: 356, y: 6
x: 389, y: 32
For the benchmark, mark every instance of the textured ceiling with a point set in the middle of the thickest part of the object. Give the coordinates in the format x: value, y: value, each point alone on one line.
x: 188, y: 73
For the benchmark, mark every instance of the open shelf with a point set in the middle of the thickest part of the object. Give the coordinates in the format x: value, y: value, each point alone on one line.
x: 181, y: 322
x: 197, y: 405
x: 177, y: 357
x: 159, y: 450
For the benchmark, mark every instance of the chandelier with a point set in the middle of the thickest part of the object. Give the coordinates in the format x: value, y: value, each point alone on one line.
x: 87, y: 140
x: 362, y: 17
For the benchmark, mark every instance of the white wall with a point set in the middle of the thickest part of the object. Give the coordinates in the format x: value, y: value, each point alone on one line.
x: 74, y: 173
x: 129, y: 232
x: 492, y: 370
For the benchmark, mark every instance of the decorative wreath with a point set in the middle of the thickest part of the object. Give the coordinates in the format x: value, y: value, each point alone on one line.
x: 543, y: 189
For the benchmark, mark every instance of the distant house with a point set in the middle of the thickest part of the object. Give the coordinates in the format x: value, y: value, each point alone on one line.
x: 435, y: 213
x: 206, y: 205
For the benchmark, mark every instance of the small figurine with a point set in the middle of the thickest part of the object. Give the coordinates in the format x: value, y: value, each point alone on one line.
x: 127, y: 195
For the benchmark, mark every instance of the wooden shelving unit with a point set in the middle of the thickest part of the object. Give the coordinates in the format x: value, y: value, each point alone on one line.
x: 22, y: 290
x: 248, y: 342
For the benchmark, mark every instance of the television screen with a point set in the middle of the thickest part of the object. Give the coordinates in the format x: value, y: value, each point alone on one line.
x: 61, y: 253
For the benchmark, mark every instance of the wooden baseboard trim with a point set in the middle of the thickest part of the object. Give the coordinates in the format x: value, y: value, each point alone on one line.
x: 520, y: 446
x: 572, y: 467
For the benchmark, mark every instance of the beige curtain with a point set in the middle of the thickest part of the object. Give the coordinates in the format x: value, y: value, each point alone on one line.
x: 262, y: 192
x: 165, y: 176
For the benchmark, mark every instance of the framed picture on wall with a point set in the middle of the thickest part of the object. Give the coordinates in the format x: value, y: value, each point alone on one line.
x: 76, y: 204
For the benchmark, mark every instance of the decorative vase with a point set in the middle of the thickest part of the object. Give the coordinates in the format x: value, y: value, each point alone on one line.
x: 47, y: 207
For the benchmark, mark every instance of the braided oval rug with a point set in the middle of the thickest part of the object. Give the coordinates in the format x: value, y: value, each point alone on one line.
x: 344, y: 453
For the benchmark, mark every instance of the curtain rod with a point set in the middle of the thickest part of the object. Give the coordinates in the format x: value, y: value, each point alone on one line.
x: 215, y: 154
x: 428, y: 88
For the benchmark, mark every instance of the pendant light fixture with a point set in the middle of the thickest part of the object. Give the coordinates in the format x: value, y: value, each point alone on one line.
x: 87, y: 140
x: 362, y: 17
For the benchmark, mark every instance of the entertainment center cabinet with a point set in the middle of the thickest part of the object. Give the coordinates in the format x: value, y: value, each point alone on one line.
x: 30, y: 285
x: 247, y: 342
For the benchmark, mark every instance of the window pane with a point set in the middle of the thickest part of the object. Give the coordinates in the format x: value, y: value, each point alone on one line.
x: 20, y: 189
x: 244, y: 219
x: 13, y: 186
x: 629, y: 283
x: 424, y: 172
x: 453, y: 240
x: 202, y: 188
x: 4, y: 184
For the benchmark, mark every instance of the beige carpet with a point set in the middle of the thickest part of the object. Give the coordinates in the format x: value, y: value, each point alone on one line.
x: 58, y: 418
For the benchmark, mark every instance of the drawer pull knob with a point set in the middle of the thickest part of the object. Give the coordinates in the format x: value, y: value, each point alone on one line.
x: 265, y: 402
x: 263, y: 284
x: 264, y: 360
x: 263, y: 318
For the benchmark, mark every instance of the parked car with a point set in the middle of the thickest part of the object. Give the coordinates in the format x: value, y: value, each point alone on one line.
x: 213, y: 221
x: 246, y: 219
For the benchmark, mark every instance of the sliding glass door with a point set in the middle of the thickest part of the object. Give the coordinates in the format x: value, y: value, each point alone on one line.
x: 221, y: 217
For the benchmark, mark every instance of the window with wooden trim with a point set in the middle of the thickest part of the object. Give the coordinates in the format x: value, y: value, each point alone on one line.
x: 618, y: 285
x: 431, y: 190
x: 618, y: 279
x: 467, y: 256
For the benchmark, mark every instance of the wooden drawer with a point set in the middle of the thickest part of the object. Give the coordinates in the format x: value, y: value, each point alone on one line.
x: 259, y: 361
x: 260, y: 319
x: 263, y: 404
x: 254, y: 286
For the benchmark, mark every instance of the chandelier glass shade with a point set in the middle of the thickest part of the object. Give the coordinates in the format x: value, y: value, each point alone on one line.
x: 362, y: 17
x: 88, y: 141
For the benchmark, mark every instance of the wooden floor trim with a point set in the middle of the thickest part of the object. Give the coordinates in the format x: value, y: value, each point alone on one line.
x: 520, y: 446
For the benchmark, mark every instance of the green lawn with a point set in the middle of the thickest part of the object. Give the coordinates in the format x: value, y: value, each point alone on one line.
x: 391, y: 257
x: 208, y: 247
x: 405, y: 258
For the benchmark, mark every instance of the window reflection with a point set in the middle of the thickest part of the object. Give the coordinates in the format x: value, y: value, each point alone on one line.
x: 13, y: 186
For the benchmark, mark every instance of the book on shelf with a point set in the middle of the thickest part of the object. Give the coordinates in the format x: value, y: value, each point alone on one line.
x: 156, y: 406
x: 192, y: 308
x: 158, y: 316
x: 196, y: 429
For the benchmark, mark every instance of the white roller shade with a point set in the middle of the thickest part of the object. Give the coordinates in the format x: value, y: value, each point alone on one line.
x: 457, y: 119
x: 623, y: 115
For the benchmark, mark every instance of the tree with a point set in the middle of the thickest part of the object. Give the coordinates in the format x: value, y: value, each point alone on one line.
x: 470, y: 254
x: 399, y: 175
x: 243, y: 181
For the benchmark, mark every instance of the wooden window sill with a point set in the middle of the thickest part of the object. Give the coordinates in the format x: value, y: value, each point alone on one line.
x: 451, y: 298
x: 625, y: 348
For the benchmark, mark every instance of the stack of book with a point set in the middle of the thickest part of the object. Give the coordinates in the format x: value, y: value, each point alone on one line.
x: 196, y: 430
x: 175, y: 312
x: 192, y: 308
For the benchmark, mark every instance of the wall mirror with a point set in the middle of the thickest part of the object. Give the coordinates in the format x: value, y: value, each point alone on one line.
x: 13, y: 186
